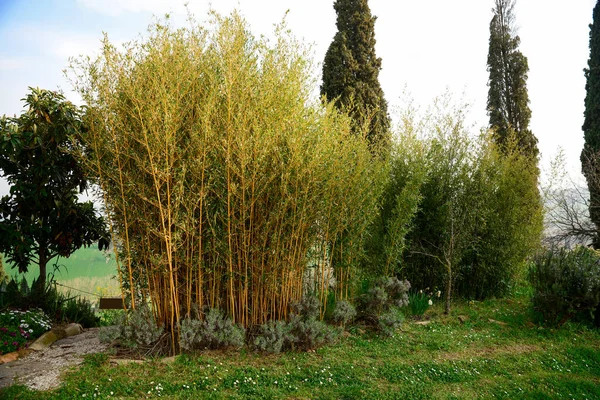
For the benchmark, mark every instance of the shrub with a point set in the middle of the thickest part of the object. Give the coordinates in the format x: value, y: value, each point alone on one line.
x: 214, y: 332
x: 79, y: 310
x: 304, y: 331
x: 308, y: 334
x: 111, y: 317
x: 18, y: 327
x: 272, y: 337
x: 309, y: 307
x: 389, y: 321
x: 380, y: 305
x: 109, y: 333
x: 399, y: 202
x: 385, y: 293
x: 420, y: 301
x: 343, y: 313
x: 62, y: 307
x: 566, y: 284
x: 136, y: 328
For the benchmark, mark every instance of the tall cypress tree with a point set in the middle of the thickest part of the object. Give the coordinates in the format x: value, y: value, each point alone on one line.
x: 508, y: 100
x: 590, y: 160
x: 351, y: 70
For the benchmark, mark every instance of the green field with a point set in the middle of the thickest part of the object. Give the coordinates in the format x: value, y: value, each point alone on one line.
x: 88, y: 272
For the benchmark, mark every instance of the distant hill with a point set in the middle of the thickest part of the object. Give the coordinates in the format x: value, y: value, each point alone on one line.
x: 88, y: 270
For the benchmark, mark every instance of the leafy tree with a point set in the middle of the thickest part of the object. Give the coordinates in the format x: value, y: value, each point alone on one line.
x: 480, y: 215
x: 508, y: 221
x: 508, y: 100
x: 591, y: 124
x: 351, y: 71
x: 41, y: 218
x: 444, y: 226
x: 406, y: 173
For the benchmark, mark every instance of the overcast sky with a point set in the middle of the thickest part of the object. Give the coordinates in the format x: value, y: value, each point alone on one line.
x: 426, y: 46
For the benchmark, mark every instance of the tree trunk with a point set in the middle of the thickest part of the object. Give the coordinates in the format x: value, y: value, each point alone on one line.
x: 448, y: 288
x: 43, y: 260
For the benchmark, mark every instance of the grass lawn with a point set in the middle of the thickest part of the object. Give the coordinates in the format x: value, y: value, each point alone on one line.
x: 496, y: 353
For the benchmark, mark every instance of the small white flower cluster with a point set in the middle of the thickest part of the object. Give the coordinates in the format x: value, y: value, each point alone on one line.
x: 28, y: 321
x: 157, y: 389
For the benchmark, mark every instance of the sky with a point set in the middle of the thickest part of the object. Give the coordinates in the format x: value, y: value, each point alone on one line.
x: 427, y: 47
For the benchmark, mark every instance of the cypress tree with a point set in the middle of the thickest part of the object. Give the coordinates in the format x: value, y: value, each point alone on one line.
x: 508, y: 100
x: 591, y: 124
x: 351, y: 71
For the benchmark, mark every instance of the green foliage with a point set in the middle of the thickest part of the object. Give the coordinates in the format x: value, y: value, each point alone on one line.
x: 343, y: 313
x: 111, y: 317
x: 380, y: 306
x: 62, y: 307
x: 351, y: 71
x: 304, y: 330
x: 80, y: 310
x: 420, y: 301
x: 221, y: 182
x: 215, y: 331
x: 591, y: 125
x: 96, y: 360
x: 41, y: 218
x: 18, y: 327
x: 508, y: 224
x: 272, y: 337
x: 566, y: 284
x: 480, y: 215
x: 508, y: 100
x: 444, y: 226
x: 406, y: 174
x: 137, y: 329
x: 390, y: 321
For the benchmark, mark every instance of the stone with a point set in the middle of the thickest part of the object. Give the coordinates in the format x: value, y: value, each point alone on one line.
x: 6, y: 358
x: 497, y: 322
x: 463, y: 318
x: 73, y: 329
x: 46, y: 340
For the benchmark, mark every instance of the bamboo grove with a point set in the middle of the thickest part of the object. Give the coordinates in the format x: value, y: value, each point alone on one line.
x: 221, y: 176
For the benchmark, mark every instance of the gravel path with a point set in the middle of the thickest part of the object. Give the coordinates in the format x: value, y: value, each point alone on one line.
x: 41, y: 370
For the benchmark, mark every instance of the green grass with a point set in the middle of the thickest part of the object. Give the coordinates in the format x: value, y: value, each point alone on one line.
x: 506, y: 358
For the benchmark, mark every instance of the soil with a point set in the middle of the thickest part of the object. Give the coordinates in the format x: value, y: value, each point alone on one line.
x: 41, y: 370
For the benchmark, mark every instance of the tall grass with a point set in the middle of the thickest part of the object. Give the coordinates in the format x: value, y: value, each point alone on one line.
x: 219, y: 172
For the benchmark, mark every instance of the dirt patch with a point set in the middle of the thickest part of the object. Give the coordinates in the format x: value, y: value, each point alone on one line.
x: 41, y: 370
x: 488, y: 352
